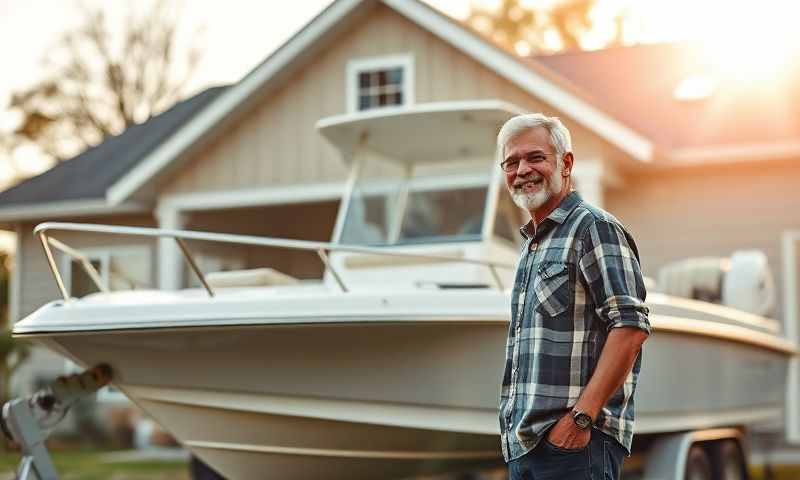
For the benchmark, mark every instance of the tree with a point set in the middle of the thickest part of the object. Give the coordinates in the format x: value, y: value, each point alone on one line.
x: 524, y: 30
x: 101, y: 83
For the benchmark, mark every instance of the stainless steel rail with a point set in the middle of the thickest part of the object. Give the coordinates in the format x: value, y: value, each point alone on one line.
x: 321, y: 248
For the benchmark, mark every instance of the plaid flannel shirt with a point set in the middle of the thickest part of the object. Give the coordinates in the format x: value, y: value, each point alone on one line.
x: 578, y: 277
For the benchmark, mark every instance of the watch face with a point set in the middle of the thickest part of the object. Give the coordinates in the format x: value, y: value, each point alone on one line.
x: 583, y: 420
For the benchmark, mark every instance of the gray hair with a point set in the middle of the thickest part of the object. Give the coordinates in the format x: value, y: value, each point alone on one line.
x: 560, y: 138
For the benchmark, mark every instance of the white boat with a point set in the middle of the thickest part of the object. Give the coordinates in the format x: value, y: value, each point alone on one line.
x: 390, y: 366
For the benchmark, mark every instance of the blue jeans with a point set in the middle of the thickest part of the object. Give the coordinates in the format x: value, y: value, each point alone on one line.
x: 601, y: 459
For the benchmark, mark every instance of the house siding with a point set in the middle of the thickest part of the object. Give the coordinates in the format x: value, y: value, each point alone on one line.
x: 710, y: 211
x: 276, y: 144
x: 37, y: 284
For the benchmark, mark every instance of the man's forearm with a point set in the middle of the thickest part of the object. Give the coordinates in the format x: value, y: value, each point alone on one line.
x: 616, y: 360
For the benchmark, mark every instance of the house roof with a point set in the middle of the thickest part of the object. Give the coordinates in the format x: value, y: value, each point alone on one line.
x: 637, y: 85
x: 89, y: 175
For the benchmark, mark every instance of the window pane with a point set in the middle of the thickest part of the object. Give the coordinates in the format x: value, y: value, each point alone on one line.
x: 363, y: 80
x: 366, y: 220
x: 82, y: 284
x: 396, y: 76
x: 371, y: 207
x: 447, y: 213
x: 380, y: 88
x: 508, y: 219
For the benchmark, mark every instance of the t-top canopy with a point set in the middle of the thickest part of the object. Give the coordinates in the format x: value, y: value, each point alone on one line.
x: 422, y: 132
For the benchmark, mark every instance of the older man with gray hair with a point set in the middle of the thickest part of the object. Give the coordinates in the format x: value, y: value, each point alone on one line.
x: 578, y: 318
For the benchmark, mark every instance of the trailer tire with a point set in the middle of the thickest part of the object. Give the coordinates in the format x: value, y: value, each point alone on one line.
x: 698, y: 466
x: 198, y: 470
x: 729, y: 461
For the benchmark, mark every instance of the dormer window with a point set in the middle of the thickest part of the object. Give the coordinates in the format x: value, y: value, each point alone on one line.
x: 378, y: 82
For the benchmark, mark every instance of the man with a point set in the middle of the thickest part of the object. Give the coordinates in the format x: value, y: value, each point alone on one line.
x: 578, y: 318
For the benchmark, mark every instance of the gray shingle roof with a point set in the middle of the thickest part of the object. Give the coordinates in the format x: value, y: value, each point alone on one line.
x: 88, y: 175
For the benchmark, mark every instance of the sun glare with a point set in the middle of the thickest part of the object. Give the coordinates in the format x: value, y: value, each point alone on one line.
x: 745, y: 40
x: 756, y: 42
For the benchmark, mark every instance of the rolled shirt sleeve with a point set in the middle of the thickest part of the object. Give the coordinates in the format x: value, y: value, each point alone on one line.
x: 609, y: 263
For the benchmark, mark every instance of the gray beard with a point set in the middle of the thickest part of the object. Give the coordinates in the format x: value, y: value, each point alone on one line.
x: 533, y: 201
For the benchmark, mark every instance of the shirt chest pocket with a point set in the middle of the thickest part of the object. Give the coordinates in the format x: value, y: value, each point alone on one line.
x: 552, y: 288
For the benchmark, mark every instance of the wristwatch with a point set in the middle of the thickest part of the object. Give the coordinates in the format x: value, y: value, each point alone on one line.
x: 582, y: 419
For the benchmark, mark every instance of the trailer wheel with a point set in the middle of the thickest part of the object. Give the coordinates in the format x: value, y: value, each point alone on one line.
x: 730, y: 461
x: 198, y: 470
x: 698, y: 466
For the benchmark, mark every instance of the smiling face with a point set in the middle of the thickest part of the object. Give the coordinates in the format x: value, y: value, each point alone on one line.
x: 537, y: 184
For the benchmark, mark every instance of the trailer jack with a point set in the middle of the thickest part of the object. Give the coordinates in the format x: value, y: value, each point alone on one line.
x: 29, y: 420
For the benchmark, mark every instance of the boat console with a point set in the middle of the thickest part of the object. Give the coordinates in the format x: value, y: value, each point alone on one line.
x: 424, y: 180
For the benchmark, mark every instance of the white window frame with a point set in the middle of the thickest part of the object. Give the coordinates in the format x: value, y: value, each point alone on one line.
x: 104, y: 255
x: 358, y: 65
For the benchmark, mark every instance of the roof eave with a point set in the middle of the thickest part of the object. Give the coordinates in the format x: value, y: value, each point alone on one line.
x: 736, y: 153
x: 68, y: 209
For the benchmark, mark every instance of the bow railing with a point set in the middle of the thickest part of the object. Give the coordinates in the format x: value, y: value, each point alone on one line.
x: 180, y: 236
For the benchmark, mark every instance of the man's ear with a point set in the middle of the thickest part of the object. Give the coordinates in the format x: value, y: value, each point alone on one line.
x: 568, y: 160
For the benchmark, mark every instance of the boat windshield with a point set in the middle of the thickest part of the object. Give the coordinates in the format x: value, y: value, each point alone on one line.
x: 394, y: 204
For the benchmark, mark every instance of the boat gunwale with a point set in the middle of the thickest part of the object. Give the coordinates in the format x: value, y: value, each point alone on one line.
x: 659, y: 323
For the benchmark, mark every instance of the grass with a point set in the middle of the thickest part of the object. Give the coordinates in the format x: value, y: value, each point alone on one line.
x: 90, y: 465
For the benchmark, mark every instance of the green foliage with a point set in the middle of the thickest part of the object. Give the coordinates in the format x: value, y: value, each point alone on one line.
x: 94, y: 465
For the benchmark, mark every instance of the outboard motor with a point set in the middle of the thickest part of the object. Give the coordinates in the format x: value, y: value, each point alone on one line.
x: 748, y: 284
x: 743, y: 281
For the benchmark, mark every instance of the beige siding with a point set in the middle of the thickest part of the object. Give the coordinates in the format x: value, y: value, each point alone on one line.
x: 276, y: 143
x: 710, y: 211
x: 38, y: 286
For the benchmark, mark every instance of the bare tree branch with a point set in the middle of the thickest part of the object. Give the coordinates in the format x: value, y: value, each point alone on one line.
x: 99, y: 84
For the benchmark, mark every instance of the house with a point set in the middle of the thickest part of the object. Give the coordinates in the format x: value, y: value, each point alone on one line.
x: 694, y: 166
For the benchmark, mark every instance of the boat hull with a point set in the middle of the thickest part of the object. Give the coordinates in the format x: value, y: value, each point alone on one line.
x: 389, y: 399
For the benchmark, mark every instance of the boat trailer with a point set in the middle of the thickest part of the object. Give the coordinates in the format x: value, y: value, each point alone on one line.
x: 28, y: 421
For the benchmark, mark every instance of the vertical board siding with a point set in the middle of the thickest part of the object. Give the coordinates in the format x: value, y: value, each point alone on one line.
x: 276, y: 144
x: 710, y: 211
